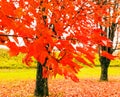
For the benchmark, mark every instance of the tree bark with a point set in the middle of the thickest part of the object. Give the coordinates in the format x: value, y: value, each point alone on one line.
x: 104, y: 68
x: 41, y: 89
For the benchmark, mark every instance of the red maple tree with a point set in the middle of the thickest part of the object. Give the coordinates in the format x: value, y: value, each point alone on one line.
x: 55, y: 31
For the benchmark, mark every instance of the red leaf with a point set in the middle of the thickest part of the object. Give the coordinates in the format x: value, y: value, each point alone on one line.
x: 43, y: 55
x: 14, y: 50
x: 45, y: 72
x: 83, y: 61
x: 68, y: 73
x: 74, y: 78
x: 27, y: 60
x: 23, y: 49
x: 107, y: 55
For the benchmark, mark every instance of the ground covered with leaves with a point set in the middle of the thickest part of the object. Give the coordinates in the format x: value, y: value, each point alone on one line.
x: 62, y: 88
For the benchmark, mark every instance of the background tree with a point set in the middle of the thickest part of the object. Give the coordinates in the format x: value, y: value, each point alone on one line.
x: 108, y: 24
x: 55, y: 33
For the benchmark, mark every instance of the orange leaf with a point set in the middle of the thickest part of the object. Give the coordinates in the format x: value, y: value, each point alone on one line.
x: 107, y: 55
x: 83, y: 61
x: 14, y: 50
x: 45, y: 72
x: 43, y: 55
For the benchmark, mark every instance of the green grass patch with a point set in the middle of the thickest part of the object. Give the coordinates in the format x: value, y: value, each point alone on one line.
x: 28, y: 74
x: 17, y: 74
x: 14, y: 62
x: 95, y: 72
x: 19, y: 71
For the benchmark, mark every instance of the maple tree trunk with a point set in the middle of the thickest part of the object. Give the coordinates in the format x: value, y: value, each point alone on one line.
x: 41, y: 89
x: 104, y: 68
x: 103, y: 60
x: 109, y: 34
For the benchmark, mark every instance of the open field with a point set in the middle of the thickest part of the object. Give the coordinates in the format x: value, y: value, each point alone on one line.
x: 24, y: 74
x: 21, y: 83
x: 17, y: 74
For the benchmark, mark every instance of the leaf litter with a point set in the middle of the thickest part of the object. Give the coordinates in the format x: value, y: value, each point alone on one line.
x: 62, y: 88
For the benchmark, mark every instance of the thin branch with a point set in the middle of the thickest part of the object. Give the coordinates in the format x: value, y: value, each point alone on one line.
x: 62, y: 56
x: 7, y: 35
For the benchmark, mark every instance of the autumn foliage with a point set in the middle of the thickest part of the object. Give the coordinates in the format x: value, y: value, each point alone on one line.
x: 55, y: 32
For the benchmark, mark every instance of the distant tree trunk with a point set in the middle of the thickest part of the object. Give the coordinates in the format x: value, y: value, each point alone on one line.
x: 104, y: 61
x: 109, y: 34
x: 104, y: 68
x: 41, y: 89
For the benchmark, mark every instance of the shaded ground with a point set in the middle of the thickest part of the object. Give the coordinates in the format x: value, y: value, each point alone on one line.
x: 62, y: 88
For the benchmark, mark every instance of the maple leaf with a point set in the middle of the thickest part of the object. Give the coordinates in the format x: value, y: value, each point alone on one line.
x: 42, y: 57
x: 107, y: 55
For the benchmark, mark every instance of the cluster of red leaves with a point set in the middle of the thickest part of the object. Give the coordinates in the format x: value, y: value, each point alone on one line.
x: 42, y: 25
x: 62, y: 88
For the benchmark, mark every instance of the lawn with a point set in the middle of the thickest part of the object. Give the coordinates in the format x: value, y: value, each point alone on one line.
x: 113, y: 72
x: 17, y: 74
x: 24, y: 74
x: 21, y: 83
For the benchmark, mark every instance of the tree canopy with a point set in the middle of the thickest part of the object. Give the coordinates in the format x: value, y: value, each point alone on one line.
x: 54, y: 32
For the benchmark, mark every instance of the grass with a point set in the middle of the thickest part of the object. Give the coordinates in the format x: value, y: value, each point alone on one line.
x: 28, y: 74
x: 95, y: 72
x: 13, y: 62
x: 17, y: 70
x: 17, y: 74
